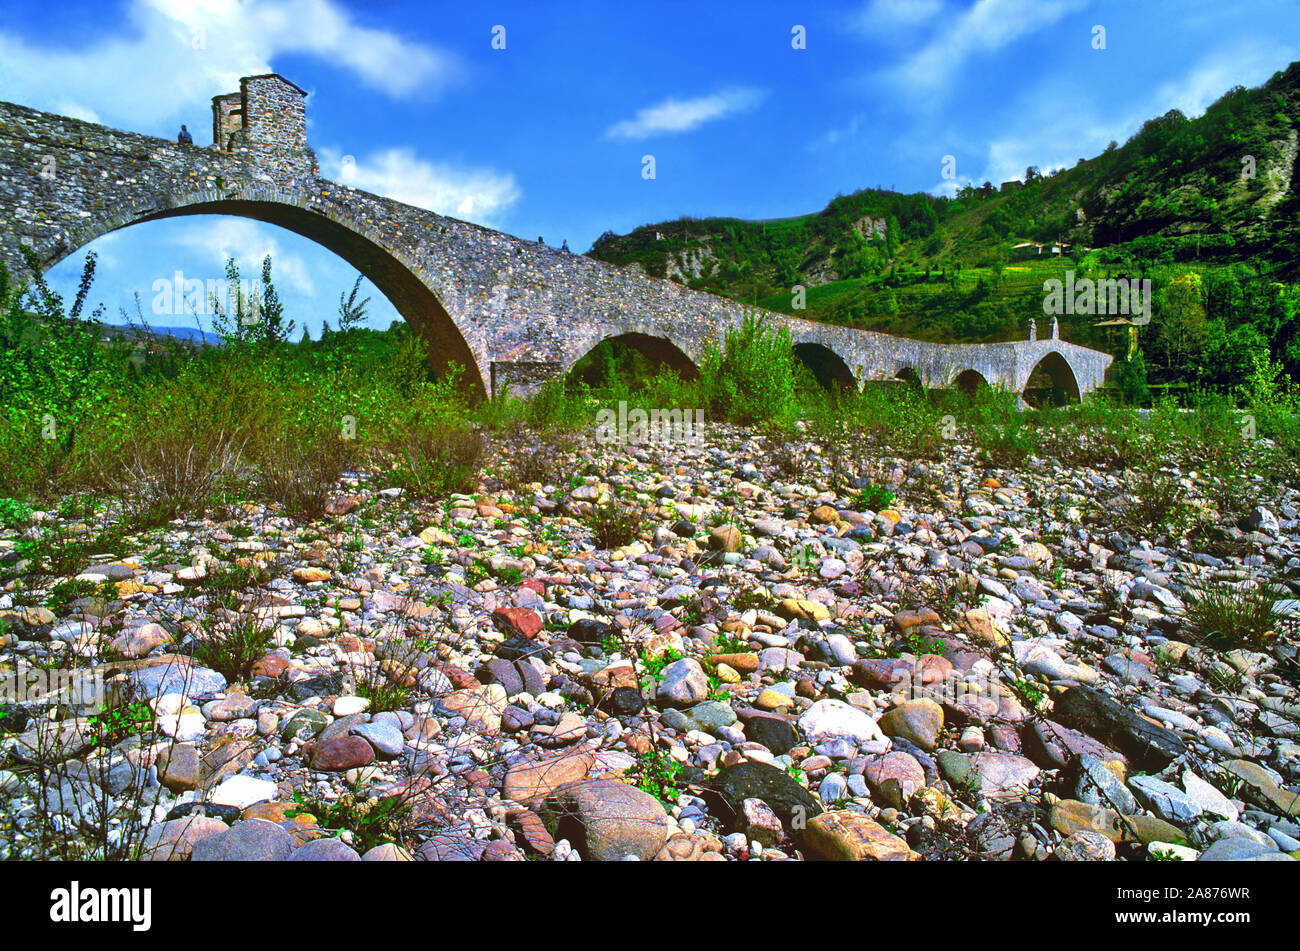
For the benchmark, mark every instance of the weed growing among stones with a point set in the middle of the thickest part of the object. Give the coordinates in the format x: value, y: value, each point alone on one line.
x: 614, y: 524
x: 1227, y: 616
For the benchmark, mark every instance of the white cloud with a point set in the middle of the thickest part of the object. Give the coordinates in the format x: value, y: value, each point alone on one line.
x: 1248, y: 63
x: 248, y: 242
x: 985, y: 28
x: 683, y: 115
x: 889, y: 17
x: 174, y: 55
x: 1038, y: 132
x: 479, y: 195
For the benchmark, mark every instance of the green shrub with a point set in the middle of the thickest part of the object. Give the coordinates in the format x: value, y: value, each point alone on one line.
x: 300, y: 466
x: 614, y: 524
x: 1131, y: 381
x: 1156, y: 504
x: 751, y: 377
x: 232, y: 646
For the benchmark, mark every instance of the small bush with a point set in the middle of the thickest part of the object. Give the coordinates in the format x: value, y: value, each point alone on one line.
x: 614, y: 524
x: 384, y: 695
x: 174, y: 455
x: 751, y: 377
x: 231, y: 647
x: 1155, y: 503
x: 371, y: 821
x: 874, y: 498
x: 300, y: 466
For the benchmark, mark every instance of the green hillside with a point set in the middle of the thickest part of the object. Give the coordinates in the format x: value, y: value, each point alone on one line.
x: 1208, y: 209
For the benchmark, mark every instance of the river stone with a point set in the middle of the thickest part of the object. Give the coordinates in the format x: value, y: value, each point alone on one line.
x: 1207, y: 797
x: 341, y: 754
x: 174, y: 840
x: 752, y: 780
x: 1070, y: 815
x: 1237, y: 849
x: 176, y: 675
x: 1053, y: 746
x: 528, y: 781
x: 329, y: 849
x: 1148, y: 745
x: 242, y: 791
x: 452, y: 848
x: 895, y: 777
x: 178, y: 767
x: 845, y: 836
x: 1003, y: 775
x: 387, y: 852
x: 830, y: 718
x: 606, y: 820
x: 252, y: 840
x: 709, y: 716
x: 772, y: 731
x: 683, y: 683
x: 305, y: 724
x: 1085, y: 846
x: 1165, y: 799
x: 384, y: 737
x: 917, y: 721
x: 1101, y: 787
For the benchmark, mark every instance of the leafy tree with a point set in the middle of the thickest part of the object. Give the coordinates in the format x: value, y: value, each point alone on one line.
x: 236, y: 320
x: 1183, y: 327
x: 273, y: 328
x: 1131, y: 380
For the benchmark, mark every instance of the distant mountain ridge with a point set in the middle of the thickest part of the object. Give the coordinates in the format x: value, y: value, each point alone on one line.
x: 187, y: 334
x: 1216, y: 190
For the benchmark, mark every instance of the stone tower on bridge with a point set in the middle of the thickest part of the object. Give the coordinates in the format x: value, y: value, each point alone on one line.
x: 267, y: 121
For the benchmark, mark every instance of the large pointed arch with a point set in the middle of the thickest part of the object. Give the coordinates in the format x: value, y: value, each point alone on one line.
x: 397, y: 278
x: 1051, y: 382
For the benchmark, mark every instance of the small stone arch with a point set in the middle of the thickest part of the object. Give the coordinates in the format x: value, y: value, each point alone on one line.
x: 660, y: 351
x: 826, y: 365
x: 909, y: 377
x: 1051, y: 382
x: 970, y: 382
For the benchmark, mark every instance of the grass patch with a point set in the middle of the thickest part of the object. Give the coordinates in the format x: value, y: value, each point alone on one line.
x: 1226, y: 616
x: 614, y: 524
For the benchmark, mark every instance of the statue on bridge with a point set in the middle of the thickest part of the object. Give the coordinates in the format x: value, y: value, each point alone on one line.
x: 1033, y: 329
x: 185, y: 138
x: 1056, y: 329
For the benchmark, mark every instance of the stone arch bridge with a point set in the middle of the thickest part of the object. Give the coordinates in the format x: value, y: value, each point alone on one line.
x: 512, y: 312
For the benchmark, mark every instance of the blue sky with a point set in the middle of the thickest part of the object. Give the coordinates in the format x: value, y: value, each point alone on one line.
x: 546, y: 137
